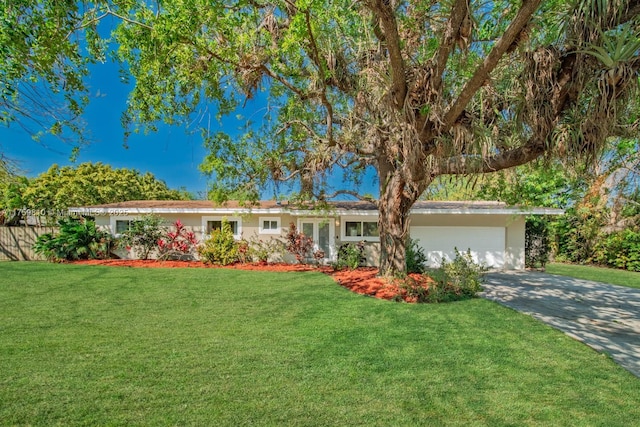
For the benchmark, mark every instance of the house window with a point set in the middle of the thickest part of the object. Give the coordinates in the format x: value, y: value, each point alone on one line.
x: 269, y: 225
x: 215, y: 223
x: 122, y: 225
x: 355, y: 229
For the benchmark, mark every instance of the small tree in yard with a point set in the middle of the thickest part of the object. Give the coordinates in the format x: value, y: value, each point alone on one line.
x: 180, y: 243
x: 143, y: 235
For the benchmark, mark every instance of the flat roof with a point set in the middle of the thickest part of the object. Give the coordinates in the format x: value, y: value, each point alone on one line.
x: 134, y: 207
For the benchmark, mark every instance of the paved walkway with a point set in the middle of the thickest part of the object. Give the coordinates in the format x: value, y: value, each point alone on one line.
x: 605, y: 317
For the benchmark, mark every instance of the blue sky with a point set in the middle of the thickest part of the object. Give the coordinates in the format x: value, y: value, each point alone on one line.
x: 171, y: 154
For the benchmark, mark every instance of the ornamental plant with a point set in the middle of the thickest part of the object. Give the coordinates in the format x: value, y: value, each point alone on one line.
x: 351, y: 256
x: 220, y: 248
x: 244, y: 251
x: 78, y: 238
x: 298, y: 244
x: 177, y: 244
x: 143, y: 235
x: 416, y: 258
x: 261, y: 250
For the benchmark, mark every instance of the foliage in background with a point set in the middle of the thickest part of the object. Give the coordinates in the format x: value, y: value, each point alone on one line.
x: 576, y: 235
x: 619, y: 249
x: 59, y: 188
x: 600, y: 228
x: 298, y: 244
x: 78, y: 238
x: 220, y: 248
x: 544, y: 183
x: 582, y: 237
x: 11, y: 200
x: 180, y: 243
x: 143, y: 236
x: 536, y: 242
x: 416, y: 258
x: 350, y: 255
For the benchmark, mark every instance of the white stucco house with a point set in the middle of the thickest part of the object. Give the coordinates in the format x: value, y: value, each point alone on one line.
x: 493, y: 231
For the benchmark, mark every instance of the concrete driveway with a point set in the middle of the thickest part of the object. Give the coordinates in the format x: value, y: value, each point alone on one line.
x: 605, y: 317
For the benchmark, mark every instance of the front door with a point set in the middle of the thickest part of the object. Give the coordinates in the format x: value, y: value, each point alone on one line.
x: 322, y: 231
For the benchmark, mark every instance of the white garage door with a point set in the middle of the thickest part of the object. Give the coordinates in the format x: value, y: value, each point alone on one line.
x: 487, y: 244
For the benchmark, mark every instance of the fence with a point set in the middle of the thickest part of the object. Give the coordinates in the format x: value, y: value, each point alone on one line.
x: 16, y: 243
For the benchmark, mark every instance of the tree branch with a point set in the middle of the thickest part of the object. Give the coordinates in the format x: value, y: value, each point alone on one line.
x: 464, y: 165
x: 382, y: 9
x: 458, y: 12
x: 353, y: 194
x: 303, y: 95
x: 523, y: 16
x: 321, y: 70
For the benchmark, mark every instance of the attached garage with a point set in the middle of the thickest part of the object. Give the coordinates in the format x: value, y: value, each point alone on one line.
x: 493, y: 232
x: 486, y: 244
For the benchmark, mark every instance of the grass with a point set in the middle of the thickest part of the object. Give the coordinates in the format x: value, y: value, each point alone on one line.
x: 89, y: 345
x: 599, y: 274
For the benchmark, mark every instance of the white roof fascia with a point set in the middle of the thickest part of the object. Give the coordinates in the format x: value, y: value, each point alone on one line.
x: 142, y: 211
x: 502, y: 211
x: 339, y: 212
x: 544, y: 211
x: 336, y: 212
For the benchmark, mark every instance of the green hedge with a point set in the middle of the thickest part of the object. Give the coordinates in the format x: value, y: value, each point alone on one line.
x: 619, y: 249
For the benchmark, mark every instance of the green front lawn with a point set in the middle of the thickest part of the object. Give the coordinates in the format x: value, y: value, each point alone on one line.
x: 599, y: 274
x: 84, y: 345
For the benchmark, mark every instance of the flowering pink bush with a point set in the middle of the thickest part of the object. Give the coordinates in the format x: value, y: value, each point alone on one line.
x: 179, y: 244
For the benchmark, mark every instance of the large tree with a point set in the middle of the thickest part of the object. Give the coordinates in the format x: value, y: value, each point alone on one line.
x: 52, y: 192
x: 413, y: 89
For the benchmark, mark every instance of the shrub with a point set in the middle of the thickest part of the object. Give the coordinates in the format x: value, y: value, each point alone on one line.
x: 452, y: 281
x: 318, y: 256
x: 220, y: 248
x: 415, y: 258
x: 464, y: 273
x: 78, y: 238
x: 620, y: 249
x: 298, y: 244
x: 177, y: 244
x: 351, y: 256
x: 577, y: 234
x: 244, y: 253
x: 143, y: 235
x: 262, y: 250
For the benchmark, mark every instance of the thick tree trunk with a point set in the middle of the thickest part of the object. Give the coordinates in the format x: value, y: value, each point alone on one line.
x: 393, y: 223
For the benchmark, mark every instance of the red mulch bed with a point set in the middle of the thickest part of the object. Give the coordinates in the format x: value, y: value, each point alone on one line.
x: 363, y: 280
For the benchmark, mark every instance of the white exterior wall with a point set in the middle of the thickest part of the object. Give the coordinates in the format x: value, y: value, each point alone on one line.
x: 514, y: 245
x: 510, y: 228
